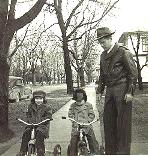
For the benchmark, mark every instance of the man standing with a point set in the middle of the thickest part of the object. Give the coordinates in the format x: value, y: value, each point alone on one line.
x: 119, y: 74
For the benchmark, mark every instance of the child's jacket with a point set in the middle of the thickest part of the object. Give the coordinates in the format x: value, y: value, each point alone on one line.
x: 37, y: 114
x: 81, y: 113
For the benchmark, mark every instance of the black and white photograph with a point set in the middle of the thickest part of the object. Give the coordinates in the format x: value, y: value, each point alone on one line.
x: 73, y: 77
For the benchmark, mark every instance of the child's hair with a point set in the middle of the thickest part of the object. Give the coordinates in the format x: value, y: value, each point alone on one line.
x: 79, y: 91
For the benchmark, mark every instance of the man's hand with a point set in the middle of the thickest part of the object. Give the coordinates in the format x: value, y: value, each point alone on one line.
x: 128, y: 97
x: 99, y: 95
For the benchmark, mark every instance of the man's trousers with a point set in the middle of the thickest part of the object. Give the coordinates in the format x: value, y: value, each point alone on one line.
x: 117, y: 120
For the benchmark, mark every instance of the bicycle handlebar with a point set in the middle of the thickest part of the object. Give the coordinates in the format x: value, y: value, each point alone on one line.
x: 34, y: 124
x: 81, y: 123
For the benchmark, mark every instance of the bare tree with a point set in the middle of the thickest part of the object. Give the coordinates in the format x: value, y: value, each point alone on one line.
x: 136, y: 50
x: 52, y: 65
x: 82, y: 52
x: 68, y: 28
x: 8, y: 26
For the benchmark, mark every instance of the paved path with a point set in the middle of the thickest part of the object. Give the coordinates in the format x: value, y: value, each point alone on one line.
x: 60, y: 129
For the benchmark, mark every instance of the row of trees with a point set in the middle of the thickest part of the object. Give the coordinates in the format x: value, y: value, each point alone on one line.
x: 41, y: 58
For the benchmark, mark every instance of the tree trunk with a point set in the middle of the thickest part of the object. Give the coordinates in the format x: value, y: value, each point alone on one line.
x: 4, y: 74
x: 33, y: 74
x: 89, y: 78
x: 140, y: 79
x: 89, y: 75
x: 78, y: 81
x: 139, y: 74
x: 24, y: 70
x: 140, y: 82
x: 62, y: 76
x: 58, y: 77
x: 67, y: 67
x: 4, y: 77
x: 81, y: 76
x: 54, y: 77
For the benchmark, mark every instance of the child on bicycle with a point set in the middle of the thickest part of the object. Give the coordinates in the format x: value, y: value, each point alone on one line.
x: 82, y: 111
x: 38, y: 110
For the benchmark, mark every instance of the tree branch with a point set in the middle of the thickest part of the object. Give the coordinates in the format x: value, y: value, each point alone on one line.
x: 138, y: 43
x: 11, y: 12
x: 30, y: 15
x: 132, y: 44
x: 19, y: 45
x: 143, y: 66
x: 59, y: 14
x: 79, y: 25
x: 106, y: 11
x: 73, y: 12
x: 73, y: 54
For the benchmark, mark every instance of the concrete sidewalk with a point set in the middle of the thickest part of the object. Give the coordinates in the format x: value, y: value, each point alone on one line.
x: 60, y: 130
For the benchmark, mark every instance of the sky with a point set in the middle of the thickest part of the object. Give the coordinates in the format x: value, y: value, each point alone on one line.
x: 132, y: 15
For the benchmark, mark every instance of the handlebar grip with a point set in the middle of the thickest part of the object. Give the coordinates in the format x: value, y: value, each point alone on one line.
x: 63, y: 117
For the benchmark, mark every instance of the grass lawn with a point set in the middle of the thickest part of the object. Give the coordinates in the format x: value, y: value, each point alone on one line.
x: 56, y: 99
x: 140, y: 116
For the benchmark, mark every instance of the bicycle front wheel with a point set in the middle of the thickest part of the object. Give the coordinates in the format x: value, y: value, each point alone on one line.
x: 83, y: 151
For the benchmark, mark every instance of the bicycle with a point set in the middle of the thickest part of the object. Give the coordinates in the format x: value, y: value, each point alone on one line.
x: 31, y: 144
x: 82, y: 145
x: 57, y: 150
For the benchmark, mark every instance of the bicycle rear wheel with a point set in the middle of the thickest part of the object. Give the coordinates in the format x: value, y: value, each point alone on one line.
x: 57, y: 150
x: 31, y: 150
x: 68, y: 150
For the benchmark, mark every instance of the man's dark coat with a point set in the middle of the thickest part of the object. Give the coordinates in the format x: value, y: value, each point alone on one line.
x: 117, y: 66
x: 118, y: 72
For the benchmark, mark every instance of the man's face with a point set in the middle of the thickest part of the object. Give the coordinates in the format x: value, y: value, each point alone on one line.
x: 79, y: 97
x: 106, y: 43
x: 38, y: 100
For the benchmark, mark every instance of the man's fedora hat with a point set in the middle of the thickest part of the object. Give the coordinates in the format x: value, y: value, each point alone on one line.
x: 103, y: 32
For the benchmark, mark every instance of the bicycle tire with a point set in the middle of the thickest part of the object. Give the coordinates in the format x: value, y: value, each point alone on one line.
x: 83, y: 151
x: 68, y: 150
x: 57, y: 150
x: 31, y: 150
x: 102, y: 150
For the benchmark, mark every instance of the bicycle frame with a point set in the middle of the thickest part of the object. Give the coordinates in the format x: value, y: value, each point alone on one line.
x: 83, y: 142
x: 33, y: 139
x: 83, y: 145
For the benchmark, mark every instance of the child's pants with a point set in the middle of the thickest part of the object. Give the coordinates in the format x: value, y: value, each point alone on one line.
x: 93, y: 144
x: 39, y: 141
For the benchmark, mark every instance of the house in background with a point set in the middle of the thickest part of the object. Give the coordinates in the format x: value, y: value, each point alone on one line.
x: 137, y: 42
